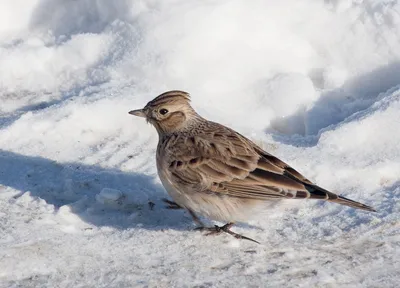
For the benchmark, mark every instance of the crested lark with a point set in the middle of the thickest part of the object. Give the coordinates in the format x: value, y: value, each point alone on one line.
x: 210, y: 169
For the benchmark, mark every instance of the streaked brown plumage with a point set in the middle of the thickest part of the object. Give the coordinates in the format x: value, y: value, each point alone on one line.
x: 210, y: 169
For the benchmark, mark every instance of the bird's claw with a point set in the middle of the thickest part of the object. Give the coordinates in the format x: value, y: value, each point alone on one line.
x: 226, y: 228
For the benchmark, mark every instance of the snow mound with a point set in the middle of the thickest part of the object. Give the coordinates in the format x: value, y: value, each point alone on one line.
x: 316, y: 83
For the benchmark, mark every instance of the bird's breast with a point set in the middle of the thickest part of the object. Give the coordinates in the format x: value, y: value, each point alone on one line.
x: 166, y: 180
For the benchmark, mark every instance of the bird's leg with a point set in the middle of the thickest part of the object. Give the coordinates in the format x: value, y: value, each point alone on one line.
x: 227, y: 229
x: 174, y: 205
x: 171, y: 204
x: 211, y: 230
x: 196, y: 219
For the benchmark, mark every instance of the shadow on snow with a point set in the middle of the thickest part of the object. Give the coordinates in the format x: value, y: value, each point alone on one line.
x: 77, y: 185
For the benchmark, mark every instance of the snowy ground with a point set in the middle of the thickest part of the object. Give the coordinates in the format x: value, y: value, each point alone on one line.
x: 317, y: 83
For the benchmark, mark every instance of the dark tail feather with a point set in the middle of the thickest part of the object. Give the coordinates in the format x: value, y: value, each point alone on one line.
x: 348, y: 202
x: 317, y: 192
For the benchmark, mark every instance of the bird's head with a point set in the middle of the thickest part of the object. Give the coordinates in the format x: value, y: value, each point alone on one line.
x: 168, y: 112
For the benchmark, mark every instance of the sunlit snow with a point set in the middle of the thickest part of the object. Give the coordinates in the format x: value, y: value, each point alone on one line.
x: 316, y: 83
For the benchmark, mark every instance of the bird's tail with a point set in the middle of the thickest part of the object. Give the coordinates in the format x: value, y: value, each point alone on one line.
x: 317, y: 192
x: 348, y: 202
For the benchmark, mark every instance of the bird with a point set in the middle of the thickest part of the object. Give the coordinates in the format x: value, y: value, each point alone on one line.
x: 213, y: 171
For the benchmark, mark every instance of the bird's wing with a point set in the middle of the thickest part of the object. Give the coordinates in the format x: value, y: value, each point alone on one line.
x: 224, y: 162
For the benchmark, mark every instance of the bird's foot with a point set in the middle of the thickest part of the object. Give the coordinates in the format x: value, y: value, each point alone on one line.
x: 226, y: 228
x: 171, y: 204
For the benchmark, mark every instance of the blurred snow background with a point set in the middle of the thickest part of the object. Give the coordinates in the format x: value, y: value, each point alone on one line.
x: 316, y: 82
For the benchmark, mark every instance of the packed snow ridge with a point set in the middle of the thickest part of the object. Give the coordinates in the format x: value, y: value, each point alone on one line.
x: 316, y: 83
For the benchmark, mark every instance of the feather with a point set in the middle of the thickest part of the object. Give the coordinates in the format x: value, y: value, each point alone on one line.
x: 228, y: 164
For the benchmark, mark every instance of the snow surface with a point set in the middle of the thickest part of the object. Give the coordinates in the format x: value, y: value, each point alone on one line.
x: 314, y: 82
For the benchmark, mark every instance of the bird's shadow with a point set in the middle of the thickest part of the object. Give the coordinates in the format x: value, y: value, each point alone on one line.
x: 77, y: 186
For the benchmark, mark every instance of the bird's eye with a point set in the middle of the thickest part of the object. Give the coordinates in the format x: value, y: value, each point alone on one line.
x: 163, y: 111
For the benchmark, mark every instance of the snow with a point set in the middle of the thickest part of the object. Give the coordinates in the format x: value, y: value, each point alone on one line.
x: 316, y: 83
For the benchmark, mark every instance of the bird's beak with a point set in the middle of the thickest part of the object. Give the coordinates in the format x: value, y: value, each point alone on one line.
x: 138, y: 112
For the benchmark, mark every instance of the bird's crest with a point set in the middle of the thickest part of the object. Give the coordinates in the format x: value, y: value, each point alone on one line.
x: 169, y: 97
